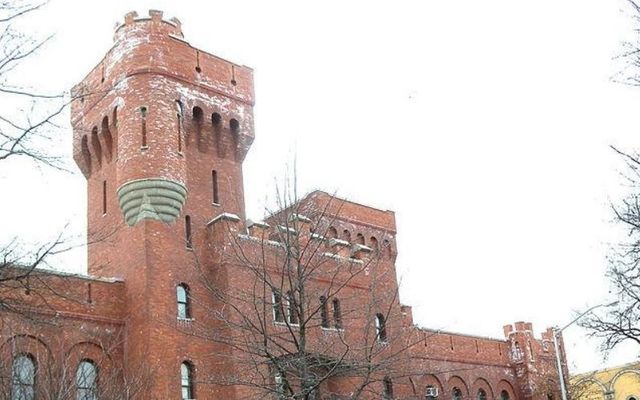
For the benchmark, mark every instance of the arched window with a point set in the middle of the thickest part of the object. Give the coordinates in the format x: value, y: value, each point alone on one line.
x: 337, y: 314
x: 381, y: 328
x: 23, y: 377
x: 234, y: 125
x: 332, y: 233
x: 373, y: 243
x: 516, y: 352
x: 360, y: 238
x: 182, y: 297
x: 87, y: 381
x: 482, y: 395
x: 215, y: 119
x: 387, y: 388
x: 197, y: 114
x: 504, y: 395
x: 186, y: 380
x: 323, y: 312
x: 346, y: 235
x: 456, y: 394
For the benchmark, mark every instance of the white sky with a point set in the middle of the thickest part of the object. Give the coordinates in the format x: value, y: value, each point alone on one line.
x: 484, y: 124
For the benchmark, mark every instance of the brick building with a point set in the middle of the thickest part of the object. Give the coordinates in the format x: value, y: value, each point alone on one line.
x: 186, y: 298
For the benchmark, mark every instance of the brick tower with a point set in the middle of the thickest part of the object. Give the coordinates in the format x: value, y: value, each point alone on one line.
x: 160, y: 132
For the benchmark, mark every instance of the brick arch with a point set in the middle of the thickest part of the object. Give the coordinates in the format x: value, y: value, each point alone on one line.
x: 24, y: 343
x: 38, y: 350
x: 109, y: 376
x: 456, y: 381
x: 89, y: 349
x: 506, y: 386
x: 481, y: 383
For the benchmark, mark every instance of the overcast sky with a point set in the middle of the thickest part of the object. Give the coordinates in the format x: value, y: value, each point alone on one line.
x: 485, y: 125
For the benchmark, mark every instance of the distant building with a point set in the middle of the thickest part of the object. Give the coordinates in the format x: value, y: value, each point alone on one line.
x: 161, y: 130
x: 616, y: 383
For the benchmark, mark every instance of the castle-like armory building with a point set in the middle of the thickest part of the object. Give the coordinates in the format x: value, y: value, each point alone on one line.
x: 187, y: 299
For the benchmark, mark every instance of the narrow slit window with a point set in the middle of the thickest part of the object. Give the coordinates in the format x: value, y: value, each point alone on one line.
x: 179, y: 114
x: 324, y: 317
x: 388, y: 388
x: 214, y: 183
x: 337, y: 314
x: 292, y: 309
x: 276, y: 299
x: 182, y: 301
x: 104, y: 197
x: 187, y: 232
x: 381, y: 328
x: 143, y: 127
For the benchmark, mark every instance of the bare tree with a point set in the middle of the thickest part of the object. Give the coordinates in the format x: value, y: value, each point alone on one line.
x: 304, y: 311
x: 27, y: 116
x: 28, y: 127
x: 620, y: 322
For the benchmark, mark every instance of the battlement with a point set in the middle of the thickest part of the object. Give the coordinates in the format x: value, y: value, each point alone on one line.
x: 519, y: 326
x: 153, y: 22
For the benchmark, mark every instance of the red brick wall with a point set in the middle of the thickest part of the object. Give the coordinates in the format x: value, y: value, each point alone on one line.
x: 151, y: 66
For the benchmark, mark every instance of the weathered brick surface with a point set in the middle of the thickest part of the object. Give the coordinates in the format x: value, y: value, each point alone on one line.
x: 151, y: 66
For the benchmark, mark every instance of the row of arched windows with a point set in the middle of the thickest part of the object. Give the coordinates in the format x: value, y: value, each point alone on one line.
x: 456, y: 394
x: 24, y: 384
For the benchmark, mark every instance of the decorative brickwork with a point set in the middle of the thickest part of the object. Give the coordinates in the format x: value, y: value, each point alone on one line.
x: 160, y: 132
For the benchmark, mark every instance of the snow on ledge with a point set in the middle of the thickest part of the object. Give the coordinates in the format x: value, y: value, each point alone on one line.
x: 225, y: 216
